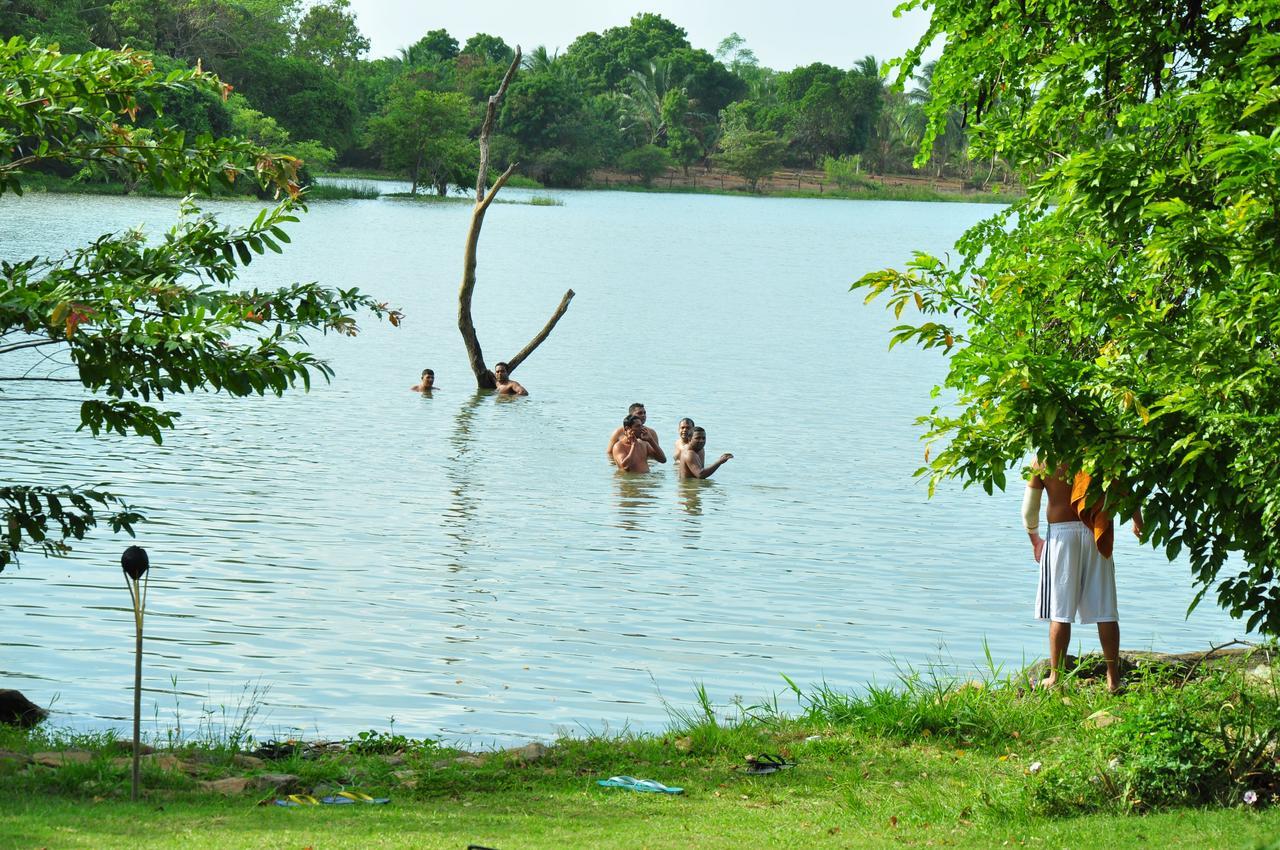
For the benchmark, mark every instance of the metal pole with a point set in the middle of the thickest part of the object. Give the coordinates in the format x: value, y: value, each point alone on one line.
x: 135, y: 564
x: 137, y: 699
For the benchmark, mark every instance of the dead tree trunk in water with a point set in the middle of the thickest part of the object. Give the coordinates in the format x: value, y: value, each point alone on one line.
x: 484, y: 377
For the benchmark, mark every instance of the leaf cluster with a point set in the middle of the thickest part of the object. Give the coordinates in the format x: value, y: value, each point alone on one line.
x: 133, y: 320
x: 1121, y: 319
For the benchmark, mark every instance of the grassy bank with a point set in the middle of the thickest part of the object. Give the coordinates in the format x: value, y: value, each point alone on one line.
x: 62, y: 186
x: 930, y: 761
x: 867, y: 193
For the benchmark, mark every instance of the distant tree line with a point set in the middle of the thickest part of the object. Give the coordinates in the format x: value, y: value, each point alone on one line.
x: 639, y: 97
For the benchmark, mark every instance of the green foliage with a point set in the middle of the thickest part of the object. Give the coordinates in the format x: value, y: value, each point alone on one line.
x: 1121, y: 318
x: 751, y: 154
x: 1209, y: 741
x: 134, y: 320
x: 425, y: 134
x: 645, y: 162
x: 328, y: 34
x: 603, y: 60
x: 844, y: 171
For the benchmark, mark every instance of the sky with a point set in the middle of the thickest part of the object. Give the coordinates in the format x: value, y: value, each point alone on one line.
x: 783, y: 35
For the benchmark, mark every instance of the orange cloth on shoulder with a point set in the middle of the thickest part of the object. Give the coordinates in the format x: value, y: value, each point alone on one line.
x: 1096, y: 516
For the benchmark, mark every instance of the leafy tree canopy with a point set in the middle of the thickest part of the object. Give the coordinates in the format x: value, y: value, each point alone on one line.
x: 603, y: 60
x: 1121, y: 318
x: 328, y: 34
x: 490, y: 48
x: 425, y: 134
x: 138, y: 320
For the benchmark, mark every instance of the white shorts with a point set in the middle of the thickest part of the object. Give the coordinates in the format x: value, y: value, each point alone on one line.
x: 1075, y: 578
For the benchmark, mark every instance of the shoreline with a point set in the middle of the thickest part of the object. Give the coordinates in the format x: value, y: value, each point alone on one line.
x: 898, y: 190
x: 969, y: 763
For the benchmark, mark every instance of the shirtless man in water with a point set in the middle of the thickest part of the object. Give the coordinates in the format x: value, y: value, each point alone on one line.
x: 506, y: 386
x: 1077, y: 572
x: 651, y: 436
x: 632, y: 450
x: 684, y: 435
x: 425, y: 385
x: 690, y: 463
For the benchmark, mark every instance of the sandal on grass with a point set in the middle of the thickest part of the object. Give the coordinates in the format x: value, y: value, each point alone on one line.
x: 343, y: 798
x: 298, y: 800
x: 767, y: 763
x: 633, y: 784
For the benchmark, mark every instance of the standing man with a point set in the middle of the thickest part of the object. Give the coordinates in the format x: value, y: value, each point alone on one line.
x: 1077, y: 572
x: 684, y: 434
x: 632, y: 450
x: 427, y: 382
x: 650, y: 436
x: 690, y: 465
x: 506, y: 386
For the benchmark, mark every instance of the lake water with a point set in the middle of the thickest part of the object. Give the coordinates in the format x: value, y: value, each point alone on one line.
x: 473, y: 567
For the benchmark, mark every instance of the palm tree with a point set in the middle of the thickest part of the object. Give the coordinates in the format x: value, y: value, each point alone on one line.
x: 540, y: 61
x: 641, y: 99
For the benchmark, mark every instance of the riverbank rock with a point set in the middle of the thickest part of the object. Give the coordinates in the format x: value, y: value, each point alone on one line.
x: 280, y: 783
x: 1137, y: 664
x: 61, y: 757
x: 163, y: 761
x: 17, y: 710
x: 247, y: 762
x: 529, y: 752
x: 229, y: 786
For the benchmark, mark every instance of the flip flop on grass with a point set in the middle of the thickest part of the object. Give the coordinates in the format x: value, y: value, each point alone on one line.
x: 298, y: 800
x: 766, y: 763
x: 342, y: 798
x: 633, y: 784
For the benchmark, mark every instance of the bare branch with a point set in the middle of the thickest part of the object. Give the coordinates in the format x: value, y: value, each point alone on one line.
x: 542, y: 334
x: 487, y: 128
x: 31, y: 343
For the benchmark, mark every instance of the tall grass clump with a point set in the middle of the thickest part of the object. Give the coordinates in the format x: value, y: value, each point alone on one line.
x: 341, y: 192
x: 1209, y: 741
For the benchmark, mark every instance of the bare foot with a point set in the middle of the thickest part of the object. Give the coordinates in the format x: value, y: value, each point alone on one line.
x: 1049, y: 682
x: 1115, y: 685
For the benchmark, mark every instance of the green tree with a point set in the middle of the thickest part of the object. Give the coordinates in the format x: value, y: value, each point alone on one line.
x: 435, y: 46
x: 424, y: 134
x: 602, y: 60
x: 328, y: 35
x: 490, y: 48
x: 1121, y: 319
x: 750, y: 154
x: 137, y: 320
x: 683, y: 145
x: 646, y: 162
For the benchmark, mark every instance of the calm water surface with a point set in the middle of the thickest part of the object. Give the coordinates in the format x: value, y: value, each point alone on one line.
x: 472, y: 567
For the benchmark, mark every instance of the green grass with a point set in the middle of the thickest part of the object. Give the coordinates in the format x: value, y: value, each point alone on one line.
x: 932, y: 761
x: 330, y: 192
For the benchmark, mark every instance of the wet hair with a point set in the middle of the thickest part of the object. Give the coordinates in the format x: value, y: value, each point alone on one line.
x: 503, y: 364
x: 702, y: 431
x: 430, y: 372
x: 686, y: 419
x: 630, y: 421
x: 635, y: 406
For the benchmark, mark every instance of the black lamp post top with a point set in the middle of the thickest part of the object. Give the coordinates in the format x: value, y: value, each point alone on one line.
x: 134, y: 562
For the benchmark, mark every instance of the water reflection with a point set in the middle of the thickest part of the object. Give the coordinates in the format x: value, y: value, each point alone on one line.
x: 465, y: 487
x: 637, y: 493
